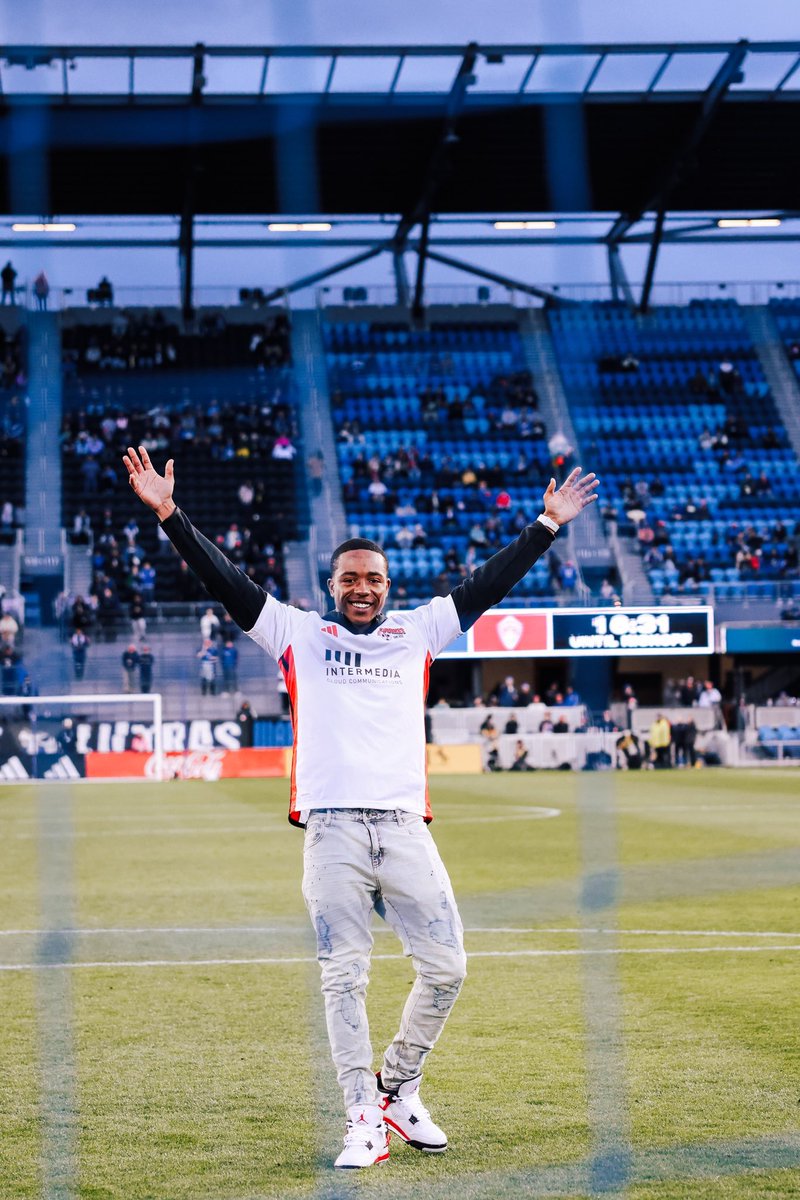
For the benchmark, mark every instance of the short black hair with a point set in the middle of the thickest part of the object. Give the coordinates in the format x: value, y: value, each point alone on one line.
x: 357, y: 544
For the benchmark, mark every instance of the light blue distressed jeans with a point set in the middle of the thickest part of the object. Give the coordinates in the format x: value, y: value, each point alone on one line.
x: 357, y: 860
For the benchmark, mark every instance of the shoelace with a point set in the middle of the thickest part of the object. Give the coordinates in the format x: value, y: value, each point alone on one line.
x: 361, y: 1133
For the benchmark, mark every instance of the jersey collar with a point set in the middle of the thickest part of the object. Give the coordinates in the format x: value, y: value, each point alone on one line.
x: 341, y: 619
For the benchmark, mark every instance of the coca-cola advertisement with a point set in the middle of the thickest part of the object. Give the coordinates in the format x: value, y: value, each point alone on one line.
x: 60, y: 747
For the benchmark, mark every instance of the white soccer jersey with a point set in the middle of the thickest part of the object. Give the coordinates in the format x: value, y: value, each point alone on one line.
x: 358, y: 704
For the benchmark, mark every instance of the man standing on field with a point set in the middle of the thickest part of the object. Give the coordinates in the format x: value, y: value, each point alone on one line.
x: 357, y: 679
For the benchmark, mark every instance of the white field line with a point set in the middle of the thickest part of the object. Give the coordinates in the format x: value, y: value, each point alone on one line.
x: 225, y: 930
x: 474, y: 954
x: 261, y: 962
x: 509, y: 813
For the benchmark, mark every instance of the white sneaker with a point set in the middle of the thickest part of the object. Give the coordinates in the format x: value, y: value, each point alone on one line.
x: 366, y: 1141
x: 404, y: 1112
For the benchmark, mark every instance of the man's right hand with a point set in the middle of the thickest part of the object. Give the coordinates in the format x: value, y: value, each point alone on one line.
x: 153, y: 489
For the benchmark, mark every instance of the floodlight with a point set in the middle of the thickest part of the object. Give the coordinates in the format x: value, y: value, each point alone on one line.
x: 524, y: 224
x: 43, y: 227
x: 748, y: 223
x: 299, y: 227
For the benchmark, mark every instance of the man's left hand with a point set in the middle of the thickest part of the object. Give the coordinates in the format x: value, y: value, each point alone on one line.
x: 574, y: 495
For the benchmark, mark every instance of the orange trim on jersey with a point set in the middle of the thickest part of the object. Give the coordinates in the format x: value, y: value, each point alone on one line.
x: 425, y: 682
x: 287, y: 669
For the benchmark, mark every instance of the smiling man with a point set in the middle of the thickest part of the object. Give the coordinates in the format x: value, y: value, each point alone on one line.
x: 357, y: 679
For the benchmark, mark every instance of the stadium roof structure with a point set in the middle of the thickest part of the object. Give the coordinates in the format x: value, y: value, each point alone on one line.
x: 420, y: 136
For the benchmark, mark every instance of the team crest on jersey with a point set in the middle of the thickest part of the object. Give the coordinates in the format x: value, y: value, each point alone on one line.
x: 391, y: 631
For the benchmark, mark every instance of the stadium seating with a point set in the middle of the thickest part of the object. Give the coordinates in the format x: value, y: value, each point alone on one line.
x: 444, y: 419
x: 786, y: 315
x: 675, y: 415
x: 220, y: 423
x: 13, y: 424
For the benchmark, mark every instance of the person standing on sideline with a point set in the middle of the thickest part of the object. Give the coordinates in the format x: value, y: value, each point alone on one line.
x: 660, y: 738
x: 209, y: 624
x: 8, y: 278
x: 230, y: 660
x: 209, y: 658
x: 246, y: 717
x: 80, y: 644
x: 357, y: 679
x: 41, y: 291
x: 130, y: 661
x: 145, y: 669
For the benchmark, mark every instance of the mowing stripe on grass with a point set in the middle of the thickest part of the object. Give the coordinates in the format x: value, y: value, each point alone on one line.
x: 224, y: 930
x: 54, y: 998
x: 582, y: 952
x: 602, y: 1002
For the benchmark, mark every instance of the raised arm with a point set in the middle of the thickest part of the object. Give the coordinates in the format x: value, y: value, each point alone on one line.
x: 242, y: 598
x: 495, y: 578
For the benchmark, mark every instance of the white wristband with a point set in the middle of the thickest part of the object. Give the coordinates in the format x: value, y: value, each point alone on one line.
x: 548, y: 522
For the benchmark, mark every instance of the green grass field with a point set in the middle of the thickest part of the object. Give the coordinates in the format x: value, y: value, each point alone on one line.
x: 629, y: 1024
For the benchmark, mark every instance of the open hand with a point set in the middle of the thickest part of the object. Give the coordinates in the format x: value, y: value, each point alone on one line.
x: 153, y: 489
x: 571, y: 498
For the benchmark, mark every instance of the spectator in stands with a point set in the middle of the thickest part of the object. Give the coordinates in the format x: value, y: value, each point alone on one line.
x: 81, y: 528
x: 631, y: 703
x: 710, y: 697
x: 684, y: 736
x: 660, y: 739
x: 507, y: 695
x: 147, y: 581
x: 208, y: 658
x: 230, y: 661
x: 105, y: 293
x: 137, y: 614
x: 228, y: 630
x: 607, y: 591
x: 41, y: 291
x: 489, y: 730
x: 561, y: 725
x: 9, y: 629
x: 284, y: 449
x: 209, y: 625
x: 316, y: 472
x: 560, y: 449
x: 145, y: 669
x: 130, y: 663
x: 526, y: 696
x: 520, y: 762
x: 512, y: 724
x: 546, y: 724
x: 8, y: 278
x: 629, y: 751
x: 246, y: 717
x: 568, y: 577
x: 90, y: 473
x: 108, y: 612
x: 80, y: 645
x: 571, y: 697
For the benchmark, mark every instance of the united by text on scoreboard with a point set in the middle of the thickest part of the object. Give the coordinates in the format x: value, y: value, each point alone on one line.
x: 587, y: 632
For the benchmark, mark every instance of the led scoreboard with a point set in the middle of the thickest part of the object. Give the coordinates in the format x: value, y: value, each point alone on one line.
x: 590, y: 632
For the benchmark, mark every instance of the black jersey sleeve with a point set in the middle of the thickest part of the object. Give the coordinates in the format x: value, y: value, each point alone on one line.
x: 242, y: 598
x: 495, y: 578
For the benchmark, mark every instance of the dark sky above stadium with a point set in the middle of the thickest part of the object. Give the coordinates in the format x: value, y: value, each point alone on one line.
x: 369, y: 22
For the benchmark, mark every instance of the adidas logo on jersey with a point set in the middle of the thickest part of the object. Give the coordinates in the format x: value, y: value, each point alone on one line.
x: 331, y: 629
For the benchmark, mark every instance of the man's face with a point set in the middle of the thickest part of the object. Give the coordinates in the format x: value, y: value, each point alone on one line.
x: 360, y: 585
